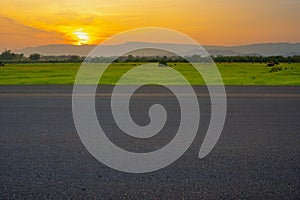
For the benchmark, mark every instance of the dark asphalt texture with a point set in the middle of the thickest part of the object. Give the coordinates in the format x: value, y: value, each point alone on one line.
x: 257, y: 156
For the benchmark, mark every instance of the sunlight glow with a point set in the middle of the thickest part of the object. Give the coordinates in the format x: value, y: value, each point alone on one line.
x: 215, y: 22
x: 81, y: 37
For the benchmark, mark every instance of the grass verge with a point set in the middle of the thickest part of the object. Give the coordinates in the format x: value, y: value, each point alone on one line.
x: 232, y: 73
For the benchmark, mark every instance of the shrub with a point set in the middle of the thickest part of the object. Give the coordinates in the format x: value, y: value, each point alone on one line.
x: 162, y: 63
x: 275, y: 69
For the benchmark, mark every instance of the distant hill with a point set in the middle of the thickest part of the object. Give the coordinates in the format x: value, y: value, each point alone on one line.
x: 150, y: 52
x: 268, y: 49
x: 57, y: 49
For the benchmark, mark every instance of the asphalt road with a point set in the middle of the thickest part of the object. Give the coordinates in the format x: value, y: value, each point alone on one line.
x: 257, y: 156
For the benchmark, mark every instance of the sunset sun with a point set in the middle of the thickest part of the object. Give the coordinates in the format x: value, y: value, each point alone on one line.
x: 81, y: 37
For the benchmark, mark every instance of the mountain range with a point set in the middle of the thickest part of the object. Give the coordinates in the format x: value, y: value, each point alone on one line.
x: 264, y: 49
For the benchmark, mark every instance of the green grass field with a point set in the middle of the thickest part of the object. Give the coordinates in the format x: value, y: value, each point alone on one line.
x: 232, y: 74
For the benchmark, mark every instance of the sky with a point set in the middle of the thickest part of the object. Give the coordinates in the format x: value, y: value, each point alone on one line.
x: 210, y: 22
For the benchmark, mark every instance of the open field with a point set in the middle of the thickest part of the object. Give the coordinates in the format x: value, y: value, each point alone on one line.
x: 65, y: 73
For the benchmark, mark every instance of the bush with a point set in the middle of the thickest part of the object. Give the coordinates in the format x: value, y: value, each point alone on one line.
x: 275, y: 69
x: 162, y: 63
x: 34, y: 56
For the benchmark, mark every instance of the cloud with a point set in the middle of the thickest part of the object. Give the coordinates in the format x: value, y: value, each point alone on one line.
x: 14, y: 35
x: 231, y: 22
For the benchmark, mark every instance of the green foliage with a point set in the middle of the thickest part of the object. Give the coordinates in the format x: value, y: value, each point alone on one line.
x: 199, y: 59
x: 74, y: 58
x: 162, y: 63
x: 258, y: 59
x: 7, y: 55
x: 34, y: 57
x: 275, y: 69
x: 65, y: 73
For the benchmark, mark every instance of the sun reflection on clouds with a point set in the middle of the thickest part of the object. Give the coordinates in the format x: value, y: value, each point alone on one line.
x: 81, y: 36
x: 89, y: 22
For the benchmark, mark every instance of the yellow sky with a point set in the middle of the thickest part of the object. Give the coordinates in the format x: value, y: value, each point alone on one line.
x: 210, y: 22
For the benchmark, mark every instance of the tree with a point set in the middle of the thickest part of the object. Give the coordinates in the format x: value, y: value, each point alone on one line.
x: 20, y: 56
x: 162, y: 63
x: 130, y: 58
x: 35, y: 56
x: 8, y: 55
x: 74, y: 58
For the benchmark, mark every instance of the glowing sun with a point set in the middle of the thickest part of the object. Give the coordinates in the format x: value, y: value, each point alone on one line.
x: 81, y: 37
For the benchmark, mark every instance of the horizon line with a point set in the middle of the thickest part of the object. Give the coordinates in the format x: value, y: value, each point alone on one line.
x: 216, y: 45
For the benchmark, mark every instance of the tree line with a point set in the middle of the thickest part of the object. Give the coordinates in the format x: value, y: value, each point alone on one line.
x: 197, y: 58
x: 258, y: 59
x: 8, y: 56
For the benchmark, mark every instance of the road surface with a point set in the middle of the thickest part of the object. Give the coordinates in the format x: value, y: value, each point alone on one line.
x: 257, y: 156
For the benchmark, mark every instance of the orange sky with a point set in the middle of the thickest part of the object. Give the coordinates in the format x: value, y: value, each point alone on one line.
x: 210, y: 22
